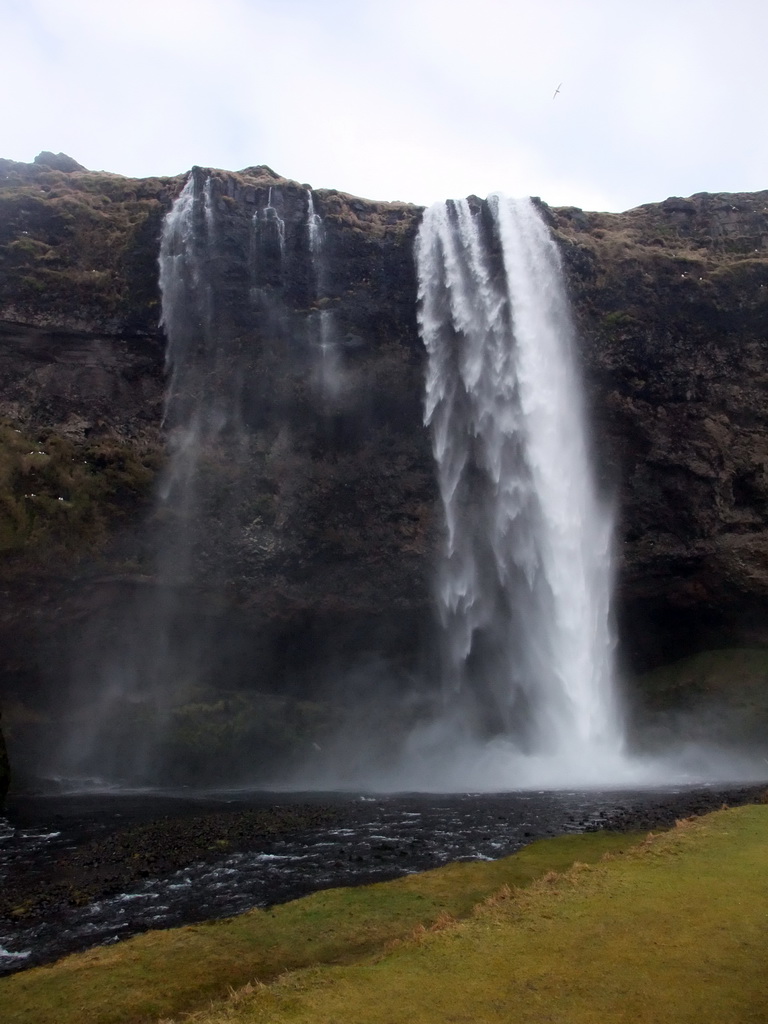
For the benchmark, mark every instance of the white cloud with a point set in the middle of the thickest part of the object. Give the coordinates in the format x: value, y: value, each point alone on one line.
x: 414, y: 100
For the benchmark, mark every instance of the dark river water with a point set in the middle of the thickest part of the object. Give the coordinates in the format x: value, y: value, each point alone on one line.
x: 352, y: 839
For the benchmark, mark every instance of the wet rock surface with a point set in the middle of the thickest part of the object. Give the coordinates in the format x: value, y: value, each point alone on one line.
x: 81, y: 871
x: 105, y: 854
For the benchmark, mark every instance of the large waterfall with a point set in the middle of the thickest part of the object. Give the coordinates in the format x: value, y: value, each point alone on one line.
x: 524, y: 581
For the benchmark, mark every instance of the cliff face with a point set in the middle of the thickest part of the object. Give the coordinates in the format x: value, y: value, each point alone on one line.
x: 673, y: 304
x: 317, y: 496
x: 326, y: 550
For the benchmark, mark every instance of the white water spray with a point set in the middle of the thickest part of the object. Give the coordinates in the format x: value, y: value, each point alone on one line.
x: 525, y: 579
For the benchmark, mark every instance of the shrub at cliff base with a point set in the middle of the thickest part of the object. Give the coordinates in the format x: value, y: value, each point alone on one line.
x: 209, y: 737
x: 718, y: 696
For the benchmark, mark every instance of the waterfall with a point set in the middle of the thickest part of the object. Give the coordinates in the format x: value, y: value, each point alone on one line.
x: 524, y: 581
x: 157, y: 651
x: 328, y: 374
x: 274, y: 222
x: 199, y: 400
x: 241, y: 275
x: 163, y: 642
x: 188, y: 319
x: 315, y: 233
x: 269, y: 269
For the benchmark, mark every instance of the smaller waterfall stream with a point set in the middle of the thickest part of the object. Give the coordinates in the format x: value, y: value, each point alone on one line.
x: 273, y: 222
x: 156, y: 659
x: 315, y: 233
x: 243, y: 281
x: 329, y: 374
x: 525, y: 579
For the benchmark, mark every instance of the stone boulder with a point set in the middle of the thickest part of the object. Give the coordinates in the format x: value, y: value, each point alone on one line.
x: 58, y: 162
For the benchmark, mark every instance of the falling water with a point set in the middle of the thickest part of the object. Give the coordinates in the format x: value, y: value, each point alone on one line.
x: 525, y: 577
x: 162, y: 643
x: 154, y: 659
x: 328, y: 375
x: 202, y: 394
x: 272, y: 219
x: 236, y: 287
x: 188, y: 319
x: 267, y: 255
x: 315, y: 232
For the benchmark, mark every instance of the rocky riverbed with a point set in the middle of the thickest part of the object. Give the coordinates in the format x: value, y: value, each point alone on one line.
x: 79, y: 871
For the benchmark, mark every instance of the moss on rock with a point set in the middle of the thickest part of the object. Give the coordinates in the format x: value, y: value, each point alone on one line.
x: 60, y: 498
x: 714, y: 696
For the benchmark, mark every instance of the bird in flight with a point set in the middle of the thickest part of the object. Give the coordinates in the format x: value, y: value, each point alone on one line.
x: 557, y: 90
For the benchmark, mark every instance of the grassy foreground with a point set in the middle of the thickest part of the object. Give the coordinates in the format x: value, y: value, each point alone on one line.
x: 164, y: 973
x: 674, y: 930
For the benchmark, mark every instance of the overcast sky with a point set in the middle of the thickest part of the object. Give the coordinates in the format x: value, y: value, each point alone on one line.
x: 400, y: 99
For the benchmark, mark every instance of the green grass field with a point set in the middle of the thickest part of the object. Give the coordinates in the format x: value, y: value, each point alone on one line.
x: 595, y: 928
x: 164, y: 973
x: 675, y: 930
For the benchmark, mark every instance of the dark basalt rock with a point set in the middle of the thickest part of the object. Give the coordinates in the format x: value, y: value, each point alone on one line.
x: 674, y: 318
x: 58, y: 162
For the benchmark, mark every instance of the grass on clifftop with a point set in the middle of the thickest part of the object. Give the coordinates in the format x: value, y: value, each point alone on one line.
x: 74, y: 241
x: 673, y: 931
x: 165, y: 973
